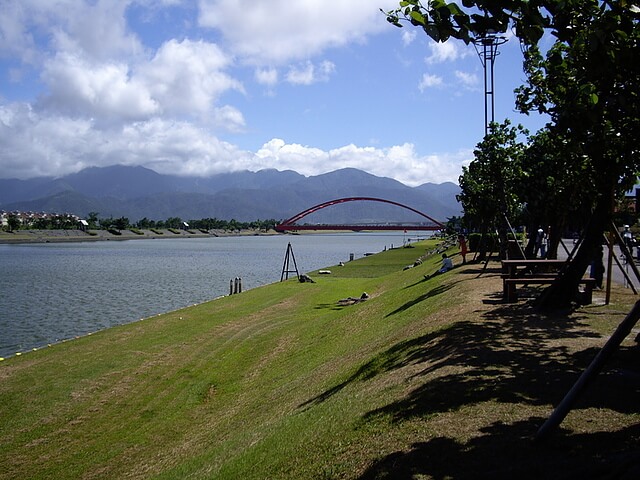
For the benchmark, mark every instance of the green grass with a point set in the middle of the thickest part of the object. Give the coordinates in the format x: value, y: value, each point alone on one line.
x: 278, y: 382
x: 210, y: 390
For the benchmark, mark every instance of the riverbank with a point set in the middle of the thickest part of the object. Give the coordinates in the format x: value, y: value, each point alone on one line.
x: 426, y: 378
x: 56, y: 236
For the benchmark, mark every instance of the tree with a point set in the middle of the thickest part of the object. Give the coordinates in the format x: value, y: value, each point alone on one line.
x: 121, y: 223
x: 106, y: 223
x: 173, y: 222
x: 92, y: 219
x: 13, y: 222
x: 553, y: 192
x: 488, y: 186
x: 587, y: 82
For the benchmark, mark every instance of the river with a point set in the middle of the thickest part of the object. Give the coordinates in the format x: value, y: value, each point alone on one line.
x: 55, y: 291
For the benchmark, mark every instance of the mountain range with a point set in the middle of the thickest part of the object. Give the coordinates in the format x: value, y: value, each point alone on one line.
x: 138, y: 192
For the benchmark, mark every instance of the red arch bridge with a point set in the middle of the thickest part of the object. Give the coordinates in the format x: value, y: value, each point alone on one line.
x: 291, y: 223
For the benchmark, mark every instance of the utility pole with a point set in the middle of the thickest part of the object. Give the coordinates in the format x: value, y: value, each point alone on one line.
x: 487, y: 49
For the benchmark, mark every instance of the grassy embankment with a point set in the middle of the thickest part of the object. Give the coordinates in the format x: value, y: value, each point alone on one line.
x: 428, y: 377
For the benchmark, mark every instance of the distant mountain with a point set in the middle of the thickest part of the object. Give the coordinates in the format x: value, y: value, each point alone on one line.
x: 138, y: 192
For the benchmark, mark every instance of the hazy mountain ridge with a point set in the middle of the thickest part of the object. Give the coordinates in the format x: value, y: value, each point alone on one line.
x: 137, y: 192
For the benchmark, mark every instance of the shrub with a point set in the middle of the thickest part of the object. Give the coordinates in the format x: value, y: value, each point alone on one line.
x: 491, y: 240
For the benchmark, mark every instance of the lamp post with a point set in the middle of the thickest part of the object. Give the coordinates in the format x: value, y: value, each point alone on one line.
x: 487, y: 48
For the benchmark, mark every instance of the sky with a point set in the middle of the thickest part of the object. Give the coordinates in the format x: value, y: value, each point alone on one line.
x: 197, y: 88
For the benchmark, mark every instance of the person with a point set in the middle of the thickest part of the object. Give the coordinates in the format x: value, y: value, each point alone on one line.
x: 627, y: 236
x: 463, y: 248
x: 541, y: 243
x: 447, y: 264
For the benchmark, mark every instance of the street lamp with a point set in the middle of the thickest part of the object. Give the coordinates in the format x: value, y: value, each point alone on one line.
x: 487, y: 48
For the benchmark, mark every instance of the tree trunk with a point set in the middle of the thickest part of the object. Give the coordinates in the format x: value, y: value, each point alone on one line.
x: 529, y: 250
x: 563, y: 292
x: 482, y: 244
x: 503, y: 239
x: 554, y: 240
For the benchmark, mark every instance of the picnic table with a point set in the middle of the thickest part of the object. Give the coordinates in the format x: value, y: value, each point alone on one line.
x: 538, y: 271
x: 513, y: 268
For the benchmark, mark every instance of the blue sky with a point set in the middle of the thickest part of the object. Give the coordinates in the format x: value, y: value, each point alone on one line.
x: 209, y: 86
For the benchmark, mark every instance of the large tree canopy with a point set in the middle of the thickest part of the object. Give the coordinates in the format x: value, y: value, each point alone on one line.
x: 588, y: 82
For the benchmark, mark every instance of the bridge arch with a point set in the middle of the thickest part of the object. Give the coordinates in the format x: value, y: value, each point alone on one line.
x: 290, y: 223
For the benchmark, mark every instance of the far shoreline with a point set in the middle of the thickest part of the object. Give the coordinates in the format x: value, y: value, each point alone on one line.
x: 21, y: 237
x: 68, y: 236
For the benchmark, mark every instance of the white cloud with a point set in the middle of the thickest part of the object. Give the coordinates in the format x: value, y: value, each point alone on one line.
x: 469, y: 81
x: 267, y: 76
x: 183, y: 79
x: 188, y: 76
x: 429, y: 81
x: 308, y: 73
x: 103, y: 90
x: 409, y: 36
x: 399, y: 162
x: 96, y: 29
x: 106, y: 98
x: 229, y: 118
x: 280, y: 31
x: 57, y: 145
x: 447, y: 52
x: 177, y: 148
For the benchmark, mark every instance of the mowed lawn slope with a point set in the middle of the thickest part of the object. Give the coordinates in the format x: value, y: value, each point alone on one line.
x: 425, y: 379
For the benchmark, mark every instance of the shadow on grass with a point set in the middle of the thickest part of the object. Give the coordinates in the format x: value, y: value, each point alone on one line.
x: 331, y: 306
x: 511, y: 356
x: 506, y: 452
x: 440, y: 289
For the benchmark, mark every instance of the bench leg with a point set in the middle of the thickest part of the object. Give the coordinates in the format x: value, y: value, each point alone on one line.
x: 509, y: 292
x: 588, y: 294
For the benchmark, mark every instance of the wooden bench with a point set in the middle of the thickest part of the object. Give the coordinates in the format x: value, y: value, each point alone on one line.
x: 510, y: 283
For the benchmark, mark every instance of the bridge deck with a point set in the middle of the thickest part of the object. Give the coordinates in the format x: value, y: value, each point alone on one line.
x: 292, y: 227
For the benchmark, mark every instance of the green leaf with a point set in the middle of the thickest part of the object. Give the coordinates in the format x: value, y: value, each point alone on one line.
x: 455, y: 9
x: 418, y: 18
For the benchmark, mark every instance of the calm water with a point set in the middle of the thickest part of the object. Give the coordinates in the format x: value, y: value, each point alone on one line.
x: 51, y: 292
